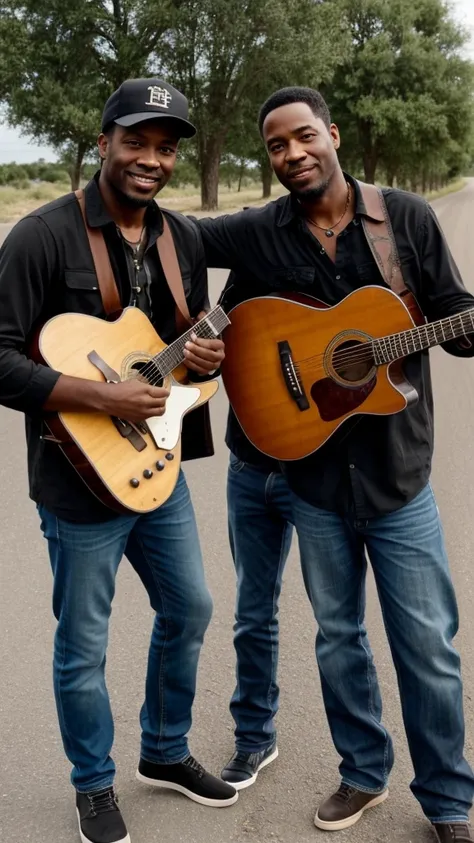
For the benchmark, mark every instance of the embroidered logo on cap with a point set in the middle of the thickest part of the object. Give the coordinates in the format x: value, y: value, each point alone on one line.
x: 159, y: 96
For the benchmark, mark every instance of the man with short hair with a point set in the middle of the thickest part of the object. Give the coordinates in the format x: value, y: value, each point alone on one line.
x: 46, y: 268
x: 367, y: 489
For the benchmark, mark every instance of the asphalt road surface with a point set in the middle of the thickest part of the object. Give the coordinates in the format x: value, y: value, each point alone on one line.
x: 36, y: 799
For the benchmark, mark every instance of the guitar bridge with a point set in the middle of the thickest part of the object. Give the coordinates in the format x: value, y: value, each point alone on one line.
x: 291, y: 376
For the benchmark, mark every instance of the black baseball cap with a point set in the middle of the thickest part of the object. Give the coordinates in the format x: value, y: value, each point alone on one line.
x: 147, y: 99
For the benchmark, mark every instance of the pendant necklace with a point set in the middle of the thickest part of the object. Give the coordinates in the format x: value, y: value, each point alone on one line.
x: 329, y: 232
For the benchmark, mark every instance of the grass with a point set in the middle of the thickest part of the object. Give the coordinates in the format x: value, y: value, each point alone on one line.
x: 452, y: 187
x: 16, y: 202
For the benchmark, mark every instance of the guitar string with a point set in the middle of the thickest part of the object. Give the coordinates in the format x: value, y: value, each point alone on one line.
x: 152, y: 367
x: 200, y: 329
x: 169, y: 350
x: 359, y: 354
x: 340, y: 358
x: 153, y: 364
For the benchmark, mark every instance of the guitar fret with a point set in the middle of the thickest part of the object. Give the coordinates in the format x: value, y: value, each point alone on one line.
x: 172, y: 356
x: 451, y: 328
x: 462, y: 329
x: 377, y: 352
x: 395, y: 346
x: 401, y: 338
x: 405, y: 338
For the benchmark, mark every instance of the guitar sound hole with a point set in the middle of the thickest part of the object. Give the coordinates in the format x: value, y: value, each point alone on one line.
x: 146, y: 370
x: 352, y: 362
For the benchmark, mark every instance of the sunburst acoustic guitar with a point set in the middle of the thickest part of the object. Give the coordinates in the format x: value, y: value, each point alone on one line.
x: 294, y: 371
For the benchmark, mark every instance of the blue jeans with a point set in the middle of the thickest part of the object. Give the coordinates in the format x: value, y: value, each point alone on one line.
x: 163, y: 547
x: 408, y: 557
x: 259, y: 516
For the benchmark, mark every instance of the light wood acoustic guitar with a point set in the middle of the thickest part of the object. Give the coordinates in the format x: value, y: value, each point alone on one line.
x: 295, y: 370
x: 128, y: 467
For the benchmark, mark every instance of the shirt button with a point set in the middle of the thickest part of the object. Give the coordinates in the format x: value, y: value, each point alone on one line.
x: 352, y: 465
x: 338, y: 277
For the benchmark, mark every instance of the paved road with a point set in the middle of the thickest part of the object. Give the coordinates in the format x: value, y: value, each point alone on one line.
x: 36, y: 801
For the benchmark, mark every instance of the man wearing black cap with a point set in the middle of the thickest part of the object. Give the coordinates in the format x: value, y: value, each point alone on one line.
x: 46, y: 268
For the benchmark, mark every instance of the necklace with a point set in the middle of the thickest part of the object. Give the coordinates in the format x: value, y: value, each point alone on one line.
x: 135, y: 244
x: 138, y: 250
x: 329, y: 232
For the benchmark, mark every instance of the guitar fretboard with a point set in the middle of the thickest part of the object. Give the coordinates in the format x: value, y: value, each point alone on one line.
x: 396, y: 346
x: 210, y: 327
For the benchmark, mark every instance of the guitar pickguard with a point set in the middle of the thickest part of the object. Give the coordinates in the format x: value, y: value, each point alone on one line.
x: 335, y: 401
x: 166, y: 429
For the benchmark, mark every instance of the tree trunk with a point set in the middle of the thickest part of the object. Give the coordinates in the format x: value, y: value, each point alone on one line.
x: 241, y: 175
x: 370, y: 165
x: 267, y: 176
x: 369, y: 152
x: 75, y: 173
x: 210, y: 160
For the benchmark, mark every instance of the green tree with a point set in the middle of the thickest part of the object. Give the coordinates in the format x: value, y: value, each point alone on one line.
x: 228, y: 55
x: 403, y: 93
x: 60, y: 61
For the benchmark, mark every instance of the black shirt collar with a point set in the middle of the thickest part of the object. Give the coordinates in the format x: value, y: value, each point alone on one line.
x: 98, y: 215
x: 291, y: 208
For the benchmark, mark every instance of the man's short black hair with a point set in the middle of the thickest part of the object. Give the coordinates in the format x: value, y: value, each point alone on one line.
x: 286, y: 96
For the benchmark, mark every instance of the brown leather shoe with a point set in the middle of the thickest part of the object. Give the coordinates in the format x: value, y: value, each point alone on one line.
x: 345, y: 807
x: 453, y: 832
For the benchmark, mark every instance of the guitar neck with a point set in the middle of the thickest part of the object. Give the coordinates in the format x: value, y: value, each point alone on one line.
x: 209, y: 328
x: 396, y: 346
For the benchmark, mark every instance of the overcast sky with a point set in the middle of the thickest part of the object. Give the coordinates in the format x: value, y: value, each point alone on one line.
x: 15, y: 147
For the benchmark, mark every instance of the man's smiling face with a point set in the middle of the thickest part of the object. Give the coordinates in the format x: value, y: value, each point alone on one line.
x: 138, y: 161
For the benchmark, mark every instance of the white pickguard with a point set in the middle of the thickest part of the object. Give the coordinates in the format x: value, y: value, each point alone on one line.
x: 166, y: 429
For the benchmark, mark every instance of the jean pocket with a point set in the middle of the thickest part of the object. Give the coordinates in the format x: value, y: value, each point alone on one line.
x: 235, y: 465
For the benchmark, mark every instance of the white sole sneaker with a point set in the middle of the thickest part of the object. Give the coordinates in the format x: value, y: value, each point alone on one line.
x: 339, y: 825
x: 253, y: 779
x: 202, y: 800
x: 86, y: 839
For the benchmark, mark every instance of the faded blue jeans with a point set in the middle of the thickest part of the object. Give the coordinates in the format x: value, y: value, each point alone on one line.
x: 163, y: 547
x: 408, y: 557
x: 259, y: 516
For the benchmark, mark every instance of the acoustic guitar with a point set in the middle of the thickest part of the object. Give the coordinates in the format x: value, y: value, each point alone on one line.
x: 294, y: 371
x: 129, y: 467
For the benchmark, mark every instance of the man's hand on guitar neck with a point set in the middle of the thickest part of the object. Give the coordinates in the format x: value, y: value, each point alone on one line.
x: 132, y: 400
x: 203, y: 356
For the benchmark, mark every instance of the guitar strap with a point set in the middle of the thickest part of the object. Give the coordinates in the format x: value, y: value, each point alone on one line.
x: 381, y: 239
x: 105, y: 276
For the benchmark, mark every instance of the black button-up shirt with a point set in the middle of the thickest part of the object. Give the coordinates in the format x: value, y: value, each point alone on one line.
x: 46, y: 268
x: 372, y: 464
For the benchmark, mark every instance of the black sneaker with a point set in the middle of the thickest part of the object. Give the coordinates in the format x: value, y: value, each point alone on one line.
x: 453, y: 832
x: 188, y: 778
x: 100, y: 820
x: 244, y: 767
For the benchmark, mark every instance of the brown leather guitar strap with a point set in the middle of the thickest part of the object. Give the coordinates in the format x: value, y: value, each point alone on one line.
x: 170, y: 265
x: 380, y: 237
x: 105, y: 276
